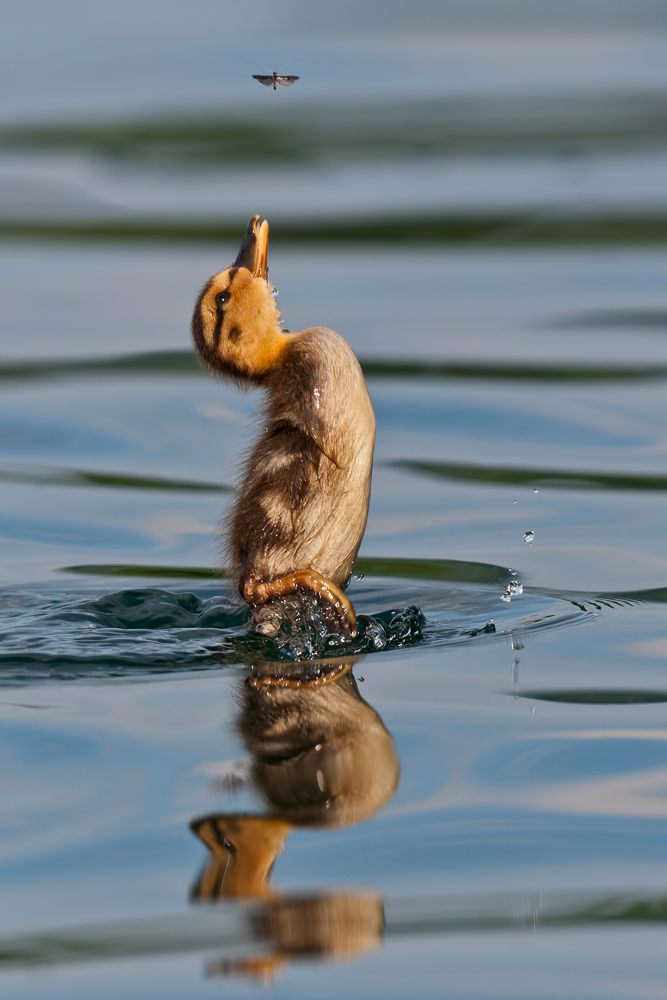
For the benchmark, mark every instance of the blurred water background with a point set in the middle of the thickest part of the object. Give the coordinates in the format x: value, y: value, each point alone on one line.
x: 475, y: 196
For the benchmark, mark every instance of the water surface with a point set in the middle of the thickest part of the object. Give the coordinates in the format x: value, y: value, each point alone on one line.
x: 473, y: 804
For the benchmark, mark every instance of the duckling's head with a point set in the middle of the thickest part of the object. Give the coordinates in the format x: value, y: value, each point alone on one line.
x: 236, y: 325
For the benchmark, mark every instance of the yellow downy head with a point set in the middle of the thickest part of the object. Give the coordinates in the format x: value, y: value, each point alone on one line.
x: 236, y: 325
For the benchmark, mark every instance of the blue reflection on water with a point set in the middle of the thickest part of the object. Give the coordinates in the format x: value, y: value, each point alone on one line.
x: 437, y: 415
x: 545, y: 760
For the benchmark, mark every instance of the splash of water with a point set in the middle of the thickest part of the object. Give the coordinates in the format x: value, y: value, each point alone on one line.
x: 301, y: 627
x: 514, y: 588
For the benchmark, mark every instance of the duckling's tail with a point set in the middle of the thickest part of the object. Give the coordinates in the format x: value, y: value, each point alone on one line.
x: 257, y: 592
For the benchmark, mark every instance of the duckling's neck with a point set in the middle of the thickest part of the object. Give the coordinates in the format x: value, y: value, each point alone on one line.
x: 269, y: 351
x: 259, y: 357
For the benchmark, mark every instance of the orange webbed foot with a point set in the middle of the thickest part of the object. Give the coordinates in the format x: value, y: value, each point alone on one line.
x: 258, y: 592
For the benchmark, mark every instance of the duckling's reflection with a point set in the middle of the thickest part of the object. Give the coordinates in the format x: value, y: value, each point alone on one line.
x: 322, y: 759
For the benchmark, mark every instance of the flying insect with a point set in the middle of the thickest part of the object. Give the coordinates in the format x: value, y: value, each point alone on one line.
x: 274, y: 78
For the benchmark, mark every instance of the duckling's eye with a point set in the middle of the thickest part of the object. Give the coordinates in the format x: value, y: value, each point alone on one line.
x: 222, y: 297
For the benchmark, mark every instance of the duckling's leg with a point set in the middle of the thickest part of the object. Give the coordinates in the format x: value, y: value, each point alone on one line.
x: 257, y: 592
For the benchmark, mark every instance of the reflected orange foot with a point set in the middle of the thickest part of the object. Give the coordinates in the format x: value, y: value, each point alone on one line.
x: 264, y: 680
x: 255, y: 592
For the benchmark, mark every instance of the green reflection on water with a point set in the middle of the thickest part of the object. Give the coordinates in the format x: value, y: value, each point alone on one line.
x: 118, y: 569
x: 612, y: 319
x: 149, y: 363
x: 499, y: 229
x: 511, y: 371
x: 229, y: 926
x: 545, y: 478
x: 44, y: 475
x: 184, y: 363
x: 418, y: 569
x: 380, y: 130
x: 593, y: 697
x: 434, y: 569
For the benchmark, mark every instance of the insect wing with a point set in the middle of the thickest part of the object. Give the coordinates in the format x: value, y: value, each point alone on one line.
x: 286, y: 81
x: 265, y: 80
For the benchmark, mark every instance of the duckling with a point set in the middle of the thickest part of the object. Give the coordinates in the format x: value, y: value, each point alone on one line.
x: 302, y: 505
x: 322, y: 758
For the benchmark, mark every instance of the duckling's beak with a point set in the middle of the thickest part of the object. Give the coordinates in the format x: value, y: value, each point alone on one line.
x: 254, y: 250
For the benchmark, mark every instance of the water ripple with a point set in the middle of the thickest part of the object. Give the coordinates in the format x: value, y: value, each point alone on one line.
x: 145, y: 631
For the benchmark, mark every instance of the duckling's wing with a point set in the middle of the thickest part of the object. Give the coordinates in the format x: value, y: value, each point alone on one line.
x: 286, y: 81
x: 267, y: 81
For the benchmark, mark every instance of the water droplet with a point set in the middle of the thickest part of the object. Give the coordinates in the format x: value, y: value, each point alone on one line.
x: 536, y: 491
x: 513, y: 501
x: 318, y: 746
x: 533, y: 710
x: 528, y: 536
x: 514, y: 587
x: 359, y: 577
x: 361, y: 679
x: 320, y: 781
